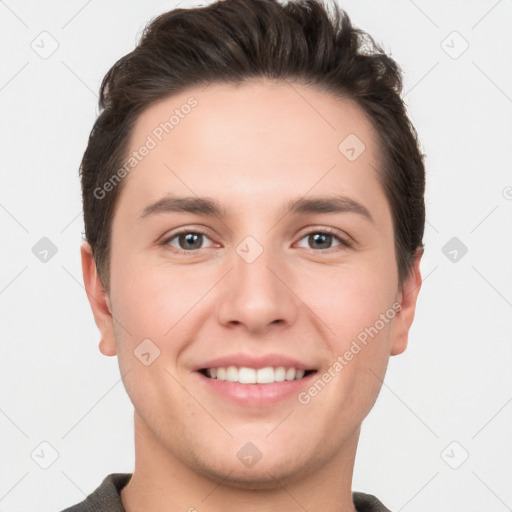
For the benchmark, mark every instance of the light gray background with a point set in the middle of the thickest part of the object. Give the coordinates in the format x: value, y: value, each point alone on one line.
x: 452, y: 384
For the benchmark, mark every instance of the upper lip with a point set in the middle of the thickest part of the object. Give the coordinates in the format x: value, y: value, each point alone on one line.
x: 256, y: 362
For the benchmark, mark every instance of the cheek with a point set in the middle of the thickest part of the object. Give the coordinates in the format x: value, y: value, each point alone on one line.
x: 350, y: 304
x: 155, y: 310
x: 349, y: 299
x: 353, y: 309
x: 155, y: 300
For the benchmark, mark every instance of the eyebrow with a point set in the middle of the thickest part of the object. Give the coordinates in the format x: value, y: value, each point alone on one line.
x: 211, y: 207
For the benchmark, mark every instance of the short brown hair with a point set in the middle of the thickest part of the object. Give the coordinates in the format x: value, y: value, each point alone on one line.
x: 231, y: 41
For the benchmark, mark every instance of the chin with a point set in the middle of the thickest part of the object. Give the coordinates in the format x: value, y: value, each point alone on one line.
x: 264, y: 475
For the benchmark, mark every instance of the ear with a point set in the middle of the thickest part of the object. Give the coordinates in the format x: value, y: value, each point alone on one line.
x: 407, y: 296
x: 99, y: 301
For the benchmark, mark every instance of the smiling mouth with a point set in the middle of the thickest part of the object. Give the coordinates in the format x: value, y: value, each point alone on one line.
x: 245, y: 375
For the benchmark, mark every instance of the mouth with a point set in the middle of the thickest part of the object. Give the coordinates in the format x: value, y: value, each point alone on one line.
x: 247, y: 375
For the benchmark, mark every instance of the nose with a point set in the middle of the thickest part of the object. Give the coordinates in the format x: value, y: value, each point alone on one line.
x: 258, y: 294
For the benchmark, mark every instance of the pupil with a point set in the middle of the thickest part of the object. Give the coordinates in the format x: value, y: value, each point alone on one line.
x: 320, y: 238
x: 191, y: 239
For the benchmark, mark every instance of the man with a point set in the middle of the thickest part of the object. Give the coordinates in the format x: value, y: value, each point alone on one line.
x: 254, y: 213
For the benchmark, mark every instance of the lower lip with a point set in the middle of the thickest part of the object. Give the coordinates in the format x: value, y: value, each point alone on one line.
x: 256, y: 395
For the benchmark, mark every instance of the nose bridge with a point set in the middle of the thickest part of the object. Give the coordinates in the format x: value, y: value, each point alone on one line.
x: 255, y: 294
x: 252, y: 268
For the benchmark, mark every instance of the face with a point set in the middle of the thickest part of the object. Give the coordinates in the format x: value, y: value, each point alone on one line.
x: 281, y: 257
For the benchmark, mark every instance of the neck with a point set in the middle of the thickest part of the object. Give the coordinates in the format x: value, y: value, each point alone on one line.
x: 163, y: 482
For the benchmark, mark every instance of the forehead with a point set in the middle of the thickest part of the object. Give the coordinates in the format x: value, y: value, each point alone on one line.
x: 260, y: 137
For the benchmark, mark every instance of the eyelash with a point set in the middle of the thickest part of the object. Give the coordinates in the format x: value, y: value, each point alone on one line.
x: 343, y: 242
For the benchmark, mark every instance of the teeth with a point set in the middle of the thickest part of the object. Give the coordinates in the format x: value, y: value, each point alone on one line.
x: 265, y: 375
x: 245, y: 375
x: 232, y: 374
x: 279, y: 374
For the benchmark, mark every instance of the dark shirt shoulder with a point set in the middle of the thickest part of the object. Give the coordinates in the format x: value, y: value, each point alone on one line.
x: 368, y: 503
x: 107, y: 498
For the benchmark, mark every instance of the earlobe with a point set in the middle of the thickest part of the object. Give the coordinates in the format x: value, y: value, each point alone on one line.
x: 107, y: 348
x: 99, y: 301
x: 408, y: 297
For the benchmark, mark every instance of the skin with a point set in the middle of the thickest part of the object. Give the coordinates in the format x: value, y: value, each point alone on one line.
x: 252, y: 147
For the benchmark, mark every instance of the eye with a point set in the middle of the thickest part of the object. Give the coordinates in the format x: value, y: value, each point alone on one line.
x: 187, y: 241
x: 192, y: 240
x: 323, y: 239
